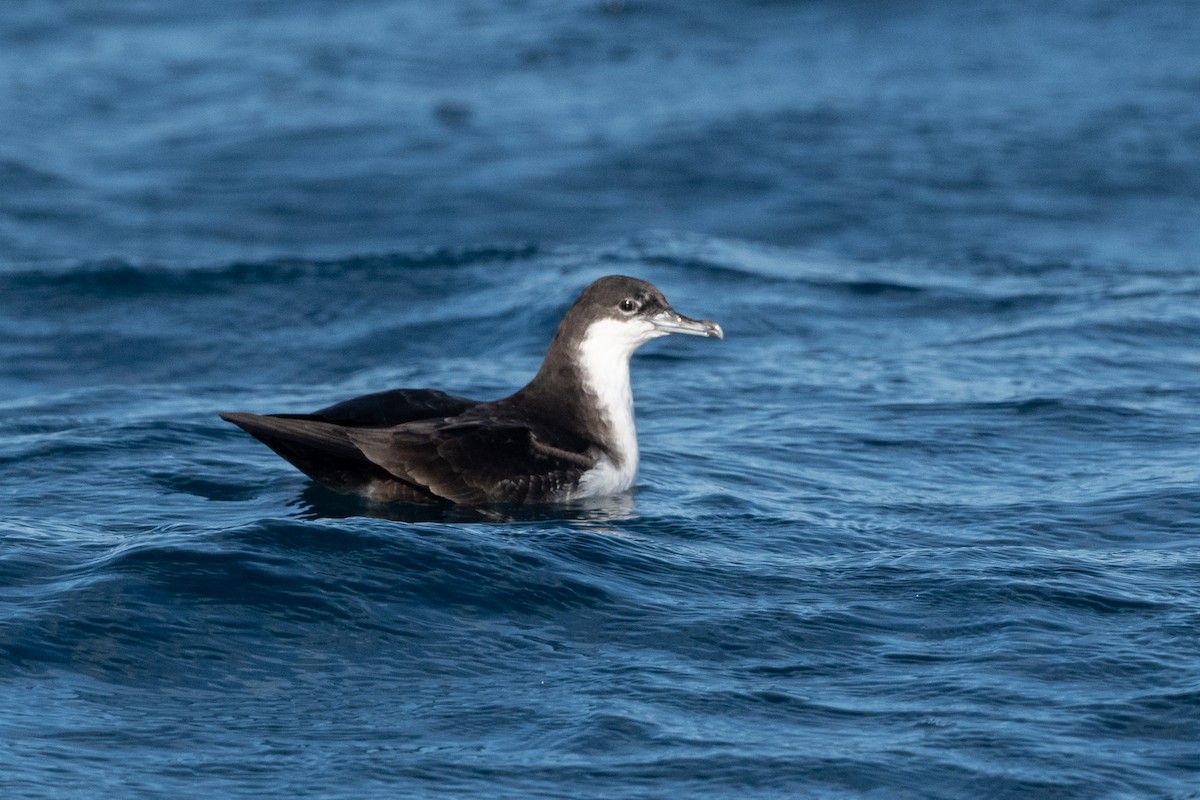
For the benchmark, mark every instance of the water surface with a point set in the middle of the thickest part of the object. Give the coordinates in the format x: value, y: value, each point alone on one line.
x: 923, y: 525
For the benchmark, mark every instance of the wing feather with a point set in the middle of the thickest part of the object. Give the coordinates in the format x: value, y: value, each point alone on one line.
x: 474, y: 462
x: 322, y: 451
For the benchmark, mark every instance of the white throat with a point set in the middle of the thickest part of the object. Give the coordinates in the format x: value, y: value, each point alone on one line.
x: 604, y: 362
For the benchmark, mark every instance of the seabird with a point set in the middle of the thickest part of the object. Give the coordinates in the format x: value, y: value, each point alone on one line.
x: 568, y: 434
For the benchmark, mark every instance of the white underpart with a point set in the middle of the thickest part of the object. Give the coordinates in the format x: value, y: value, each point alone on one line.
x: 604, y: 361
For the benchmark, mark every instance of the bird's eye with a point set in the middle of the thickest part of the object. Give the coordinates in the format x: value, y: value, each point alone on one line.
x: 628, y: 305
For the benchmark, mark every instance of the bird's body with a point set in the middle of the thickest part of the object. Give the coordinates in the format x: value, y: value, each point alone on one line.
x: 566, y: 435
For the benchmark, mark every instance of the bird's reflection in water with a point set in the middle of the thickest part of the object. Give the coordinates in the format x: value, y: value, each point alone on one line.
x: 317, y: 502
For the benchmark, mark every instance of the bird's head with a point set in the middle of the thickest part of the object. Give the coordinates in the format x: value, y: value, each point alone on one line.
x: 621, y: 314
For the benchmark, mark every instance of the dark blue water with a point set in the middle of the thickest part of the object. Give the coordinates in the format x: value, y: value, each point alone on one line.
x: 926, y: 524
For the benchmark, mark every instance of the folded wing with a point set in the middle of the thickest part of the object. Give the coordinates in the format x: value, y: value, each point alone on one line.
x: 474, y: 462
x: 318, y: 446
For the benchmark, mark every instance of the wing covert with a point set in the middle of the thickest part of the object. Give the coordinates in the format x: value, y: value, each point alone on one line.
x: 475, y: 462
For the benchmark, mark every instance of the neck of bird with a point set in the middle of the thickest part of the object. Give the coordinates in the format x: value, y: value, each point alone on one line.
x: 604, y: 370
x: 583, y: 386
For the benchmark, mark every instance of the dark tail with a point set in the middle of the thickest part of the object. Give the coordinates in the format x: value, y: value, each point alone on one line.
x: 318, y: 449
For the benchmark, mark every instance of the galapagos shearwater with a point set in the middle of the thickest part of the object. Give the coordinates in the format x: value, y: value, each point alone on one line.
x: 568, y: 434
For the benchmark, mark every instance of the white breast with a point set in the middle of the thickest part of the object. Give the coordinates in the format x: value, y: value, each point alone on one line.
x: 604, y: 361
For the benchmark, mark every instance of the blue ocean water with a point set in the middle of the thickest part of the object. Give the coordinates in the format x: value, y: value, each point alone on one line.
x: 924, y: 525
